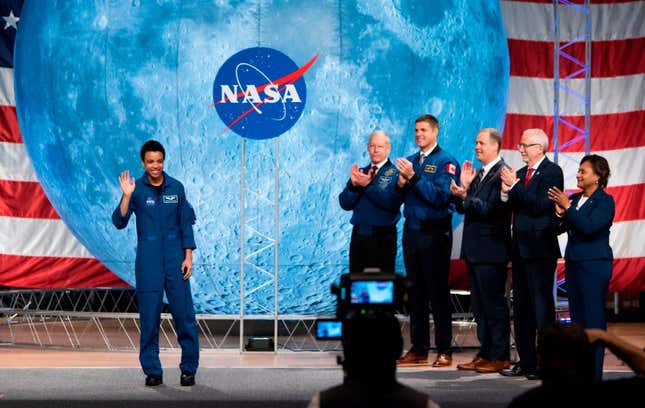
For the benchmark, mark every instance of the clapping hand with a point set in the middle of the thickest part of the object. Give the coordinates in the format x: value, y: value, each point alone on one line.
x: 405, y: 168
x: 457, y: 191
x: 509, y: 177
x: 467, y: 174
x: 358, y: 178
x: 561, y: 199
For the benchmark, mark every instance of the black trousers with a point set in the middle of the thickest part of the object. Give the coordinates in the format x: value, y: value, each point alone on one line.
x: 488, y: 302
x: 377, y: 249
x: 427, y: 264
x: 533, y: 304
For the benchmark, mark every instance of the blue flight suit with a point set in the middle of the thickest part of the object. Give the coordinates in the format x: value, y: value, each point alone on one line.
x: 427, y: 243
x: 164, y: 230
x: 375, y: 213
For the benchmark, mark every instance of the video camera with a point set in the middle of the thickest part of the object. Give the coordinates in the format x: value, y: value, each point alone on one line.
x: 363, y: 295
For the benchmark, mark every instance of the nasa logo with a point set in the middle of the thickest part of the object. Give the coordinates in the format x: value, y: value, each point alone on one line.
x: 260, y: 93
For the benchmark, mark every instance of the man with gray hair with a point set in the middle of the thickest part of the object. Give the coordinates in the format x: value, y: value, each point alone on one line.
x: 375, y: 202
x: 534, y: 249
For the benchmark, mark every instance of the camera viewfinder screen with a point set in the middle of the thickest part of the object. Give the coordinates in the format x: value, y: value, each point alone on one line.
x: 329, y: 329
x: 372, y: 292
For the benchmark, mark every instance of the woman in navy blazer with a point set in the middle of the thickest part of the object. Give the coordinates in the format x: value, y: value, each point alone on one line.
x: 586, y: 217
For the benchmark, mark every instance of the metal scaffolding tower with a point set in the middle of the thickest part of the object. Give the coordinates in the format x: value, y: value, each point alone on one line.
x: 571, y: 93
x: 571, y: 85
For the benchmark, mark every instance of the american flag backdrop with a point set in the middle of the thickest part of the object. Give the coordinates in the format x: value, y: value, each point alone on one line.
x: 617, y: 107
x: 38, y: 251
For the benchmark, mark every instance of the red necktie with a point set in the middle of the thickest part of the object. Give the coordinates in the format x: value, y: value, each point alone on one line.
x: 529, y: 174
x: 373, y: 171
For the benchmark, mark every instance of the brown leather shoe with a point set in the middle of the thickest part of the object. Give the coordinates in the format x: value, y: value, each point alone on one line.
x: 492, y: 366
x: 472, y: 366
x: 442, y: 360
x: 411, y: 358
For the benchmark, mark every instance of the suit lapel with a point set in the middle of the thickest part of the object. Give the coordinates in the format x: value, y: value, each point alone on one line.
x: 587, y: 205
x: 493, y: 172
x: 538, y: 172
x: 489, y: 176
x: 574, y: 199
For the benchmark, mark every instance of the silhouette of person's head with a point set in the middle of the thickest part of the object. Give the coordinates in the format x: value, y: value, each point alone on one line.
x: 565, y: 355
x: 371, y: 345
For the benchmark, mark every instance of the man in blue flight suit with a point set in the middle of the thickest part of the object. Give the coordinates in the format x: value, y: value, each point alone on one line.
x: 375, y: 201
x: 425, y: 180
x: 164, y: 260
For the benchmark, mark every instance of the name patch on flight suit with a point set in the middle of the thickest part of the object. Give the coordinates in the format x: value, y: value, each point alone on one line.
x: 429, y: 168
x: 150, y: 201
x: 170, y: 199
x: 384, y: 181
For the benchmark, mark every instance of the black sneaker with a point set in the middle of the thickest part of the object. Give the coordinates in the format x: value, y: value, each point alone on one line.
x: 153, y: 381
x: 187, y: 379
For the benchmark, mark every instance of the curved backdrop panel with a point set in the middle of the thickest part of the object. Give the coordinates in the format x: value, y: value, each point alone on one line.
x: 94, y: 80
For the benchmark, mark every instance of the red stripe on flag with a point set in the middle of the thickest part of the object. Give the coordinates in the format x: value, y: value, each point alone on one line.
x: 39, y: 272
x: 458, y: 278
x: 629, y: 201
x: 24, y: 199
x: 628, y: 274
x: 608, y: 132
x: 9, y: 130
x: 535, y: 58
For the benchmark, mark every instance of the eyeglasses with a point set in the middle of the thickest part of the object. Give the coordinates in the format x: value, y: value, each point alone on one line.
x: 524, y: 146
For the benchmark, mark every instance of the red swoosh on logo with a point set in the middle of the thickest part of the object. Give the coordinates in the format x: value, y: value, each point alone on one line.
x: 289, y: 78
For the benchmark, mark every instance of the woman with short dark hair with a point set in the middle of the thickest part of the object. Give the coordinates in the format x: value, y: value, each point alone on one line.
x: 587, y: 217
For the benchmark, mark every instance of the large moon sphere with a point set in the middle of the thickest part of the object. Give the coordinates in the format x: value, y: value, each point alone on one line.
x: 94, y: 80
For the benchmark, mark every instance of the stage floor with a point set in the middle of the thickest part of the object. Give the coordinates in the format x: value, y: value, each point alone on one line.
x: 30, y: 357
x: 68, y: 378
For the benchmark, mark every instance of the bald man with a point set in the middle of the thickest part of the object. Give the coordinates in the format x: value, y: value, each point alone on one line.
x: 375, y: 202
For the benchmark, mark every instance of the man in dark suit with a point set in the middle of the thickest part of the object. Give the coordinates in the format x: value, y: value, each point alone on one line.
x: 375, y: 201
x: 535, y: 248
x: 486, y: 248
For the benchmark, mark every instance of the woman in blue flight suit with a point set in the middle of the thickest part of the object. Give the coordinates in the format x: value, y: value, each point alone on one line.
x: 163, y: 262
x: 587, y: 217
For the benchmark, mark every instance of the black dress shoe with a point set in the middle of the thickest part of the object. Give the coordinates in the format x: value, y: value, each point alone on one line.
x: 535, y: 375
x: 516, y: 371
x: 187, y: 379
x: 153, y: 381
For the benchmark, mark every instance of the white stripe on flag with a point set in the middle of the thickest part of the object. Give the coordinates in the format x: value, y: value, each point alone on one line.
x: 7, y: 96
x: 39, y: 237
x: 534, y: 21
x: 624, y: 239
x: 534, y: 96
x: 15, y: 164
